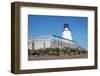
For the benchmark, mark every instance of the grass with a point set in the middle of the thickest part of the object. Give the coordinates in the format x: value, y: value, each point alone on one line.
x: 56, y: 51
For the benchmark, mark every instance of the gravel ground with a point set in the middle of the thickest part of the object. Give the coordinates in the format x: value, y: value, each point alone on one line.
x: 30, y: 57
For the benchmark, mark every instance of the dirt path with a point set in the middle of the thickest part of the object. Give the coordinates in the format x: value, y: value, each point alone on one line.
x: 57, y: 57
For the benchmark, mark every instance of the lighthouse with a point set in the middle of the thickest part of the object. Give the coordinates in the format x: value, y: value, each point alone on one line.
x: 66, y: 32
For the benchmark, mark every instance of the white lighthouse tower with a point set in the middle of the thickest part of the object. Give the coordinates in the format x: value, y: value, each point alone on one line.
x: 66, y: 32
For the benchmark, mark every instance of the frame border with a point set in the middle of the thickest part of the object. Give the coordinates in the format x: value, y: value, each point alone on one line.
x: 15, y: 37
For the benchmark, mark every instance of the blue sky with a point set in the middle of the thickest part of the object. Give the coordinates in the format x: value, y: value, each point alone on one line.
x: 48, y: 25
